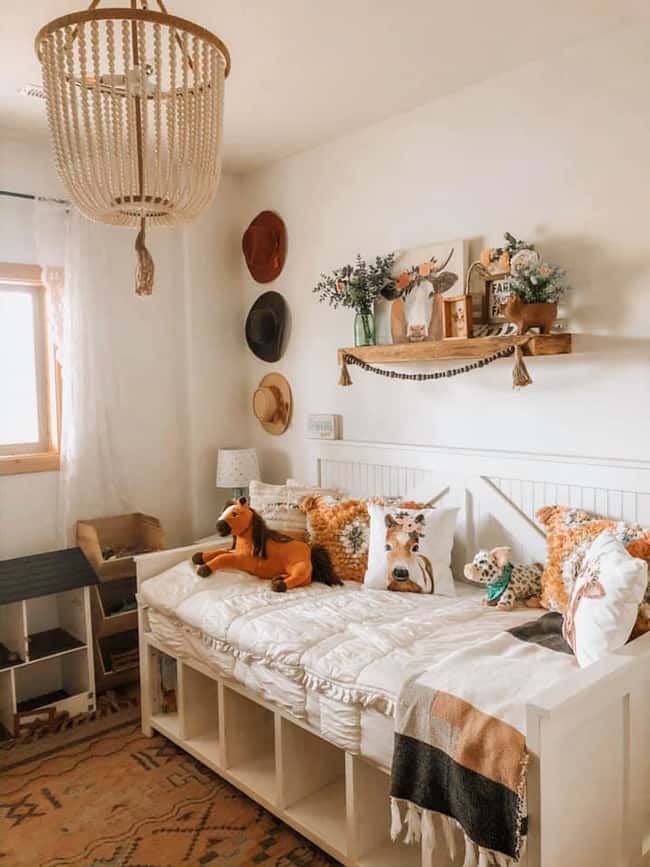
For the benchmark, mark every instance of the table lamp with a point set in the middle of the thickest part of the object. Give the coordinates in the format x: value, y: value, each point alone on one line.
x: 236, y: 468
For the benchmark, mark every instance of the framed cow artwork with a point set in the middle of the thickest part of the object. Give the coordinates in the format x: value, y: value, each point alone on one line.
x: 412, y: 309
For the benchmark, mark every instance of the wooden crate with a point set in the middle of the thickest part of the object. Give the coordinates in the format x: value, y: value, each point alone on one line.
x: 131, y: 534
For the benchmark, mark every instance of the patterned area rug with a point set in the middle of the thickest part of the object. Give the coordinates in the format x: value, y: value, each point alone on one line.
x: 123, y: 800
x: 114, y: 708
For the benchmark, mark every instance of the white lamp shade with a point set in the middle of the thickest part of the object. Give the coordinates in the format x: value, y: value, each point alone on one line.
x: 236, y: 468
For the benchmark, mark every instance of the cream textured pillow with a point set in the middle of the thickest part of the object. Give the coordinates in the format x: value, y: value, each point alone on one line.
x: 605, y: 599
x: 410, y: 550
x: 279, y: 505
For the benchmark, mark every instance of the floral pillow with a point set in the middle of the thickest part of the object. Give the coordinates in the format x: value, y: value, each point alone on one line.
x: 410, y: 549
x: 604, y: 602
x: 569, y: 533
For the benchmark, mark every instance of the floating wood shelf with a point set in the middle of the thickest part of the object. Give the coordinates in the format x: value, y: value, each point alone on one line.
x: 453, y: 348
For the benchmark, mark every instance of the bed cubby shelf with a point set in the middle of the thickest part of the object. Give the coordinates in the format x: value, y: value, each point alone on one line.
x: 455, y: 348
x: 327, y: 794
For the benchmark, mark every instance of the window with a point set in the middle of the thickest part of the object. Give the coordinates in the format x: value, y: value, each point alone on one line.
x: 29, y: 375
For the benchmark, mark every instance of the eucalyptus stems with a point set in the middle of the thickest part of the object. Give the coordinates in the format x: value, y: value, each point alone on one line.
x: 357, y: 286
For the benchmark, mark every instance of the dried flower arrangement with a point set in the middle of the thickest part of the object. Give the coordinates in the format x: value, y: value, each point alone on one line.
x: 530, y: 278
x: 357, y: 286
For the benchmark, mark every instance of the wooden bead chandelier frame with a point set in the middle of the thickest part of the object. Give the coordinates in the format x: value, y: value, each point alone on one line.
x: 134, y: 102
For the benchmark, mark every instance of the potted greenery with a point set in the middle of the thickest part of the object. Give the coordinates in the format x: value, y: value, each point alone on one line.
x: 358, y: 286
x: 529, y: 296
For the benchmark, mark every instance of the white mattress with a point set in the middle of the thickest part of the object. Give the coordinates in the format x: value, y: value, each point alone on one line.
x: 368, y: 733
x: 334, y: 657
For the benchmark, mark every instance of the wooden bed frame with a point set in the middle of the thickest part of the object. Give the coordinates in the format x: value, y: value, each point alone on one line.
x: 589, y: 737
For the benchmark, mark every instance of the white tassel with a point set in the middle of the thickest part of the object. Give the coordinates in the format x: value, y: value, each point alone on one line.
x: 428, y: 831
x: 448, y: 830
x: 395, y: 820
x: 471, y: 858
x: 412, y: 825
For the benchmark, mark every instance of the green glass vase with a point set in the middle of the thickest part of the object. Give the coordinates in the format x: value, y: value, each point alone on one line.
x: 364, y: 329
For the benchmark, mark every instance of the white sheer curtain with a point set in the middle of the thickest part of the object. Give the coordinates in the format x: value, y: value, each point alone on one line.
x: 92, y: 478
x: 124, y: 438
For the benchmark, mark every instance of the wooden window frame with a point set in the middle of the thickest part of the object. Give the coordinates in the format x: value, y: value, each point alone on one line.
x: 43, y: 457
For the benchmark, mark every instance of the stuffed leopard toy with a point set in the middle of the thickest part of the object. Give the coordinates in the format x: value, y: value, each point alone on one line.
x: 506, y: 582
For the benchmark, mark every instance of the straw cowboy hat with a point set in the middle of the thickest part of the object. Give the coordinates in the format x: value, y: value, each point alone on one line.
x: 265, y: 326
x: 272, y: 403
x: 265, y: 246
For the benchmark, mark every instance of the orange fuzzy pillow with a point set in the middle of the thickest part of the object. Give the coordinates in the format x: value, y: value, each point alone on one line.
x: 343, y: 529
x: 569, y: 533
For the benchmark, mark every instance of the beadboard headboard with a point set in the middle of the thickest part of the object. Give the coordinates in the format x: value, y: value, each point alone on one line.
x: 497, y: 492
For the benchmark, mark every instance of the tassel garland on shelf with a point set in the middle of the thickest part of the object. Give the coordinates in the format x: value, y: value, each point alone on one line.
x: 520, y: 375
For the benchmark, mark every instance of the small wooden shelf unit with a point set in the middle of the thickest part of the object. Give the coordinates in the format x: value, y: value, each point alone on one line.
x: 335, y: 799
x: 455, y: 348
x: 45, y: 626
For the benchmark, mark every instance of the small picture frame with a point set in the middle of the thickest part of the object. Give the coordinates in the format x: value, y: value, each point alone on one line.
x: 323, y: 426
x: 494, y: 289
x: 457, y: 317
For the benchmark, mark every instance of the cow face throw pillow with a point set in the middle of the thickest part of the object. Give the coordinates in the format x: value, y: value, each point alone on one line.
x: 410, y: 550
x: 605, y: 598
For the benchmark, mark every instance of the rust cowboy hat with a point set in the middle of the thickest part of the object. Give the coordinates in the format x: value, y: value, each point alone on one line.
x: 265, y: 246
x: 272, y: 403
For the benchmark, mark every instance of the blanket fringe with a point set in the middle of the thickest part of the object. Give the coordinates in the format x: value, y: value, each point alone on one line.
x: 449, y: 835
x: 471, y: 857
x: 483, y: 857
x: 345, y: 694
x: 428, y: 830
x: 395, y: 820
x: 420, y: 825
x: 413, y: 825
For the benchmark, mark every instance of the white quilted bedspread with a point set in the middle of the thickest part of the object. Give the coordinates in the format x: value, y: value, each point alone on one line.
x: 349, y: 644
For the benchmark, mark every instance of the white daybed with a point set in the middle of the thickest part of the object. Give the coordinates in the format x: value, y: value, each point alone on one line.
x: 320, y: 762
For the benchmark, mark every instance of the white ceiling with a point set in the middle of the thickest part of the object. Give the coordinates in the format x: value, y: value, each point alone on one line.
x: 308, y: 71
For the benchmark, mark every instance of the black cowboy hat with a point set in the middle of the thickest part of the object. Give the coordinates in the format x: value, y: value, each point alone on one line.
x: 265, y: 326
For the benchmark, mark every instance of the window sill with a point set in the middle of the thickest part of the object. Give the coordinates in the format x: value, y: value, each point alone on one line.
x: 42, y: 462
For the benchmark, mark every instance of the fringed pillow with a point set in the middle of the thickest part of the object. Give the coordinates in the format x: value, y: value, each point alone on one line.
x: 569, y: 534
x: 279, y: 505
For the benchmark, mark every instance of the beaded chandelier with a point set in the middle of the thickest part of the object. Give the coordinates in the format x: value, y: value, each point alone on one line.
x: 134, y: 103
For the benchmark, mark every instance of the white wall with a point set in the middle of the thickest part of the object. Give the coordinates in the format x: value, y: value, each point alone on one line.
x: 173, y: 367
x: 556, y: 152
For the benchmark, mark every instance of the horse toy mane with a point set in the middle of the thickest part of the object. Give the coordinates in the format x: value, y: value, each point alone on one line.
x: 264, y: 552
x: 261, y: 532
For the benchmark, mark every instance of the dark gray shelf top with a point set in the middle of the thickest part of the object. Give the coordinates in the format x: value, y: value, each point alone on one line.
x: 44, y: 574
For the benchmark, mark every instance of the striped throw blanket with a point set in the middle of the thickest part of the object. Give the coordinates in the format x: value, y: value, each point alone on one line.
x: 460, y: 753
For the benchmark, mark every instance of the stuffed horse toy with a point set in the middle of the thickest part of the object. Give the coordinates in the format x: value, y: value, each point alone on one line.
x: 263, y: 552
